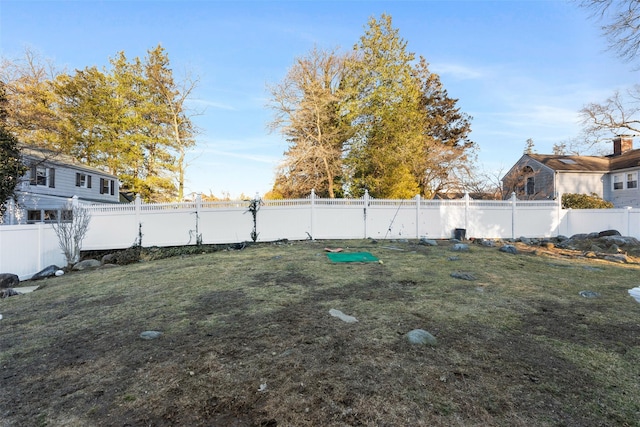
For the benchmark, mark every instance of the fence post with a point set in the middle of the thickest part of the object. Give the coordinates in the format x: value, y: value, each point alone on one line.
x: 628, y: 221
x: 312, y: 198
x: 466, y: 212
x: 417, y: 216
x: 365, y: 200
x: 513, y: 215
x: 559, y: 209
x: 138, y: 208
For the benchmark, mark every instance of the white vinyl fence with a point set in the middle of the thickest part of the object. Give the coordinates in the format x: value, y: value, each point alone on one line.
x: 26, y: 249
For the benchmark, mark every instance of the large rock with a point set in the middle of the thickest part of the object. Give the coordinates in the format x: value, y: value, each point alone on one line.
x: 86, y: 264
x: 609, y: 233
x: 8, y: 280
x: 510, y: 249
x: 49, y: 271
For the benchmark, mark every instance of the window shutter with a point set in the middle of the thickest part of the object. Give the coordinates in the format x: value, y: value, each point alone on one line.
x: 113, y: 187
x: 88, y: 181
x: 52, y: 177
x: 77, y: 179
x: 101, y: 185
x: 33, y: 180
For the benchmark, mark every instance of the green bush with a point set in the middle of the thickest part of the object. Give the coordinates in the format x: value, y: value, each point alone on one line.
x: 584, y: 201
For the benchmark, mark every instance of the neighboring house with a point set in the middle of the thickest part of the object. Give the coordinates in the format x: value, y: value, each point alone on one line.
x: 52, y: 180
x: 613, y: 178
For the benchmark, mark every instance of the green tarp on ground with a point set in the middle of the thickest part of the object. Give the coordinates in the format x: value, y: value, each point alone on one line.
x: 352, y: 257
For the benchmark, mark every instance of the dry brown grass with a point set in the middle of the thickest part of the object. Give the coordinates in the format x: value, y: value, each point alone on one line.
x: 516, y: 347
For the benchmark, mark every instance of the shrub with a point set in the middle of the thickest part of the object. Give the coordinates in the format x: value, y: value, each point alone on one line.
x: 584, y: 201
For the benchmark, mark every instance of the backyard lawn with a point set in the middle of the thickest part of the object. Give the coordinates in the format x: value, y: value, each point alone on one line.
x: 247, y: 340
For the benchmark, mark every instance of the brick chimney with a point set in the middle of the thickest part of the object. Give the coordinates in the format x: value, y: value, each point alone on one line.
x: 622, y: 144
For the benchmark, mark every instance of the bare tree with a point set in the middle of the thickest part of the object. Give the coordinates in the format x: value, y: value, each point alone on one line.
x: 27, y: 82
x: 621, y: 24
x: 618, y: 114
x: 71, y: 227
x: 306, y: 112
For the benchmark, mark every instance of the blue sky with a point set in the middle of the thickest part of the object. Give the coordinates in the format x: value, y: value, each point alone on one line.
x: 522, y: 69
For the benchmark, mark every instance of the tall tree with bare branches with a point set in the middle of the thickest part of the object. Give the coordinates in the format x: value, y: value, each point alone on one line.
x: 307, y: 112
x: 621, y: 24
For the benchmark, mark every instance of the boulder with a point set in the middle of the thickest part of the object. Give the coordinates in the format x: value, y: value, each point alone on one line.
x: 49, y: 271
x: 109, y: 259
x: 509, y: 249
x: 8, y: 280
x: 609, y: 233
x: 619, y: 258
x: 427, y: 242
x: 86, y: 264
x: 460, y: 247
x: 525, y: 240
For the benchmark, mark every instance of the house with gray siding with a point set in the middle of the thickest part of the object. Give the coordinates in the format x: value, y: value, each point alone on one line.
x: 613, y: 177
x: 52, y: 180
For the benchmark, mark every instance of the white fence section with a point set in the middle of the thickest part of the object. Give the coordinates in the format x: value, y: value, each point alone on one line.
x: 26, y: 249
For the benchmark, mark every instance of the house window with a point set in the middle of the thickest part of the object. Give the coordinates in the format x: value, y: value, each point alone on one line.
x: 83, y: 180
x: 632, y: 180
x: 43, y: 176
x: 530, y: 186
x: 617, y: 182
x: 107, y: 186
x: 49, y: 215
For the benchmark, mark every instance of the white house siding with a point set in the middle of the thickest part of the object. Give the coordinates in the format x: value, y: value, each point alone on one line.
x: 581, y: 182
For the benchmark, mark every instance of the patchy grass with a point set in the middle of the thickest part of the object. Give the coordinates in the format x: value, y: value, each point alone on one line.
x: 248, y: 341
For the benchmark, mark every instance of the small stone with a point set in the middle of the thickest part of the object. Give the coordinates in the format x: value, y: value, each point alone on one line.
x: 463, y: 276
x: 59, y: 273
x: 428, y: 242
x: 150, y: 335
x: 453, y: 258
x: 421, y: 337
x: 6, y: 293
x: 344, y: 317
x: 589, y: 294
x: 460, y: 247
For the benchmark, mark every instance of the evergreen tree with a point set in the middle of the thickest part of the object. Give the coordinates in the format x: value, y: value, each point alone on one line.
x: 385, y: 112
x: 11, y: 166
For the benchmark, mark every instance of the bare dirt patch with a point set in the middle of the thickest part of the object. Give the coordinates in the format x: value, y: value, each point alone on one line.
x: 247, y: 340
